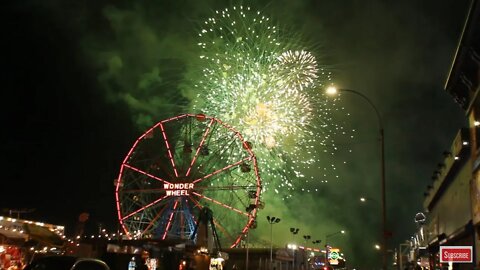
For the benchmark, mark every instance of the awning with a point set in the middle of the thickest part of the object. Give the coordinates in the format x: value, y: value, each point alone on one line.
x: 43, y: 235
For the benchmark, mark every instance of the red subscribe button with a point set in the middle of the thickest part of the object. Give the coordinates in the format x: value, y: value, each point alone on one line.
x: 456, y: 254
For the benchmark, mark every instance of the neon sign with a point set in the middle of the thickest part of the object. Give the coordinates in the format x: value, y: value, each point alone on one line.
x: 334, y: 256
x: 178, y: 189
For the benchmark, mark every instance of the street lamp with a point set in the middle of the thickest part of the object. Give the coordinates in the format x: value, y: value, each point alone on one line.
x: 294, y: 231
x: 332, y: 91
x: 271, y: 221
x: 332, y: 234
x: 306, y: 237
x: 367, y: 199
x: 335, y: 233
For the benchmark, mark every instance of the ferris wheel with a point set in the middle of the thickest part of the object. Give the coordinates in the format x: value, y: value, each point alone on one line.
x: 180, y: 166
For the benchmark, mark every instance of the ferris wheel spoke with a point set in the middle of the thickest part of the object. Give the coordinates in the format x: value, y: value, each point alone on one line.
x: 224, y: 231
x: 146, y: 174
x: 187, y: 217
x: 163, y: 166
x: 192, y: 217
x: 145, y: 207
x: 169, y: 151
x: 215, y: 220
x: 242, y: 200
x: 223, y: 150
x: 170, y: 218
x: 205, y: 134
x: 222, y: 170
x: 197, y: 203
x: 220, y: 203
x: 230, y: 188
x: 154, y: 220
x: 151, y: 190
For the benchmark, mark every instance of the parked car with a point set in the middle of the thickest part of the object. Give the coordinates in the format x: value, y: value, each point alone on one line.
x: 66, y: 263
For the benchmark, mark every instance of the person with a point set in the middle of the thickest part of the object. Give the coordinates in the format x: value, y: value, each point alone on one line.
x: 151, y: 263
x: 132, y: 265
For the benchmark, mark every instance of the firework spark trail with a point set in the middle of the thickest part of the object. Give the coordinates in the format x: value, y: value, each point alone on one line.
x: 266, y: 85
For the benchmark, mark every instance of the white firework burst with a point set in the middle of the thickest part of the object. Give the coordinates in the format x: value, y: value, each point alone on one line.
x: 257, y: 80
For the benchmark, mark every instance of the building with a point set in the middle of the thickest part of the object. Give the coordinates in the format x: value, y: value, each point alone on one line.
x: 463, y: 84
x: 452, y: 200
x: 448, y: 205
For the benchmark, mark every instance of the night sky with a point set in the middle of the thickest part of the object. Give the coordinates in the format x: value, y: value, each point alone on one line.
x: 66, y: 128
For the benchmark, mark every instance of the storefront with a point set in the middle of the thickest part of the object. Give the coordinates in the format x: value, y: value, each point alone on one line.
x: 475, y: 199
x: 449, y: 205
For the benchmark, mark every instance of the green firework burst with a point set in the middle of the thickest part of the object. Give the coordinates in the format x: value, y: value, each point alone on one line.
x: 266, y: 84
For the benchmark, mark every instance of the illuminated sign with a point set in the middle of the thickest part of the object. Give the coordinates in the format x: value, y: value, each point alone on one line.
x: 178, y: 189
x: 334, y: 256
x: 456, y: 254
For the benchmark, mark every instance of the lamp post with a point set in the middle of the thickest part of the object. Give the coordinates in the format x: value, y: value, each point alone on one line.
x: 271, y: 221
x: 304, y: 253
x: 294, y: 231
x: 293, y: 247
x: 326, y: 244
x: 318, y: 241
x: 333, y: 91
